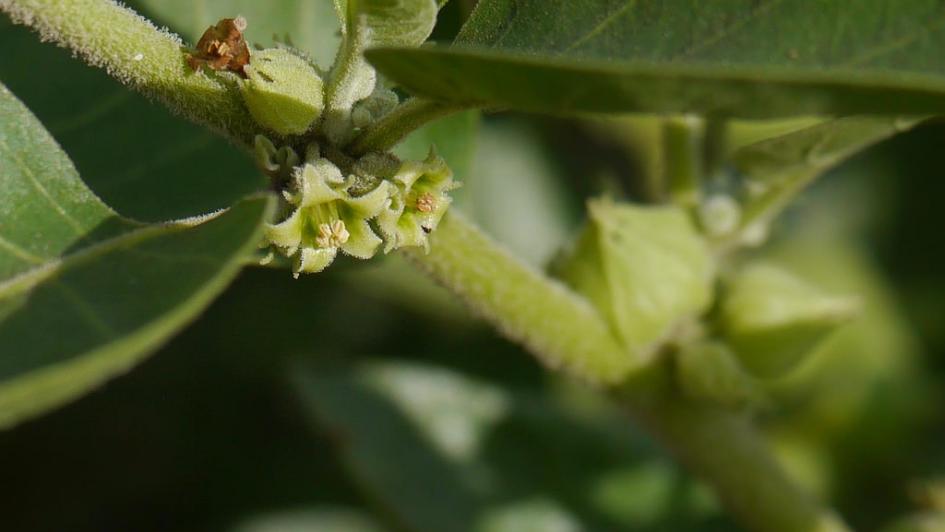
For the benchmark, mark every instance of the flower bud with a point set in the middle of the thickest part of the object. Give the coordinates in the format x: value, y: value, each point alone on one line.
x: 283, y: 91
x: 773, y: 320
x: 277, y: 163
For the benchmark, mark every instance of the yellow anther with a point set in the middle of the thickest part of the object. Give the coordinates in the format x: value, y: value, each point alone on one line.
x: 332, y: 235
x: 426, y: 203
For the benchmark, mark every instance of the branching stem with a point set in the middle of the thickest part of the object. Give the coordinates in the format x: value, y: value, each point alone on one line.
x: 396, y: 125
x: 562, y: 330
x: 559, y: 326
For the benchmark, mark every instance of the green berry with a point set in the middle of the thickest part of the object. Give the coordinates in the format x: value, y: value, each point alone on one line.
x: 283, y: 91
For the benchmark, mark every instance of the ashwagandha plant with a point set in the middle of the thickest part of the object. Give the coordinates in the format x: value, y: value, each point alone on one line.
x: 652, y: 303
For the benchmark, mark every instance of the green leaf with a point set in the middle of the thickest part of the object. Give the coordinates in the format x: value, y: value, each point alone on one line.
x: 743, y: 58
x: 781, y: 167
x: 816, y: 148
x: 644, y: 268
x: 311, y: 26
x: 312, y: 519
x: 532, y: 214
x: 443, y: 451
x: 84, y: 294
x: 134, y: 155
x: 930, y: 521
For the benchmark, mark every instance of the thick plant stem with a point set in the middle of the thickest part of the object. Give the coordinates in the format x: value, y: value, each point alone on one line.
x: 562, y: 329
x: 725, y: 450
x: 396, y: 125
x: 110, y: 36
x: 558, y: 326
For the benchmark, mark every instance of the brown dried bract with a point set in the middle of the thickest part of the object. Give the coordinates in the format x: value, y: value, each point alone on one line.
x: 222, y: 47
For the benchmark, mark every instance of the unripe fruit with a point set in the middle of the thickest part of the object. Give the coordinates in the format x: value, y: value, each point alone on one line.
x: 773, y: 320
x: 283, y: 92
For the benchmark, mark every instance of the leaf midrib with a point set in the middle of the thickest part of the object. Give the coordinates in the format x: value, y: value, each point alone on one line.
x: 780, y: 74
x: 30, y: 278
x: 26, y: 170
x: 906, y: 37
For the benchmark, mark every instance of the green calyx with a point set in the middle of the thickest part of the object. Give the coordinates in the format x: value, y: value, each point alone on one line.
x: 773, y: 320
x: 283, y: 91
x: 418, y: 202
x: 646, y: 269
x: 329, y: 210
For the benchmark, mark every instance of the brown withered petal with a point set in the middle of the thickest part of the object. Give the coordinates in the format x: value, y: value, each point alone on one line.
x: 222, y: 47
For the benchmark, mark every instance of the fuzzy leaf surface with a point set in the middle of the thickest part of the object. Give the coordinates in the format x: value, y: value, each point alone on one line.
x: 744, y: 58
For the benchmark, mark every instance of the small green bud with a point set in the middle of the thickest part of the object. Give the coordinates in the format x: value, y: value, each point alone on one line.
x: 773, y: 320
x: 278, y: 164
x: 375, y: 106
x: 283, y: 91
x: 327, y: 218
x: 418, y: 201
x: 644, y: 268
x: 710, y: 371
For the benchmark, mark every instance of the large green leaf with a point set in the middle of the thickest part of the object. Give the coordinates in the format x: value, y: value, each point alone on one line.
x: 747, y: 58
x: 84, y: 294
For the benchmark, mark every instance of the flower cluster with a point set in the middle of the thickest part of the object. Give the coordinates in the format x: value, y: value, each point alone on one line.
x: 378, y: 200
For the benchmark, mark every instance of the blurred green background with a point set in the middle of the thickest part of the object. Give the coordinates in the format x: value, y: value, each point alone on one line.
x: 365, y: 399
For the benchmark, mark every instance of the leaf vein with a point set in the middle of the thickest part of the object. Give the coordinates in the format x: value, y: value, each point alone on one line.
x: 730, y: 29
x: 17, y: 251
x: 40, y: 188
x: 930, y: 27
x: 603, y: 24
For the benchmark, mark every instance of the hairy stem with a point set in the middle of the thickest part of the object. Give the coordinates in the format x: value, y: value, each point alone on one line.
x: 396, y: 125
x: 558, y: 326
x: 563, y: 330
x: 351, y: 79
x: 131, y: 49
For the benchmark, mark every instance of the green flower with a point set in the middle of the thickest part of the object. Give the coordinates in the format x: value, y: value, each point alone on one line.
x: 418, y: 202
x: 277, y: 163
x: 326, y: 218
